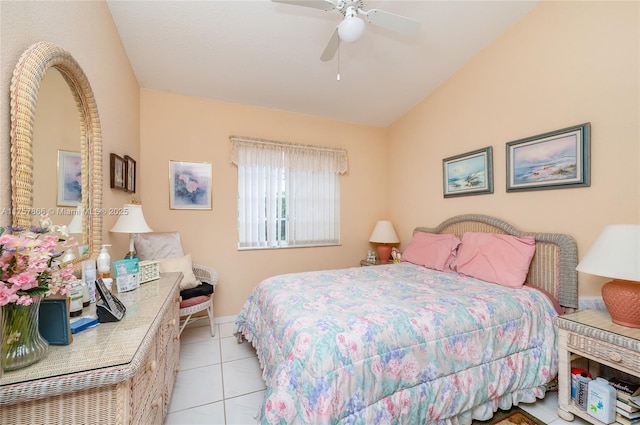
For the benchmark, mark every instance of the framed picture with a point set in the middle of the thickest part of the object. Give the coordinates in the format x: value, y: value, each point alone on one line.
x: 69, y: 178
x: 189, y: 185
x: 554, y: 160
x: 470, y: 173
x: 130, y: 174
x: 118, y: 172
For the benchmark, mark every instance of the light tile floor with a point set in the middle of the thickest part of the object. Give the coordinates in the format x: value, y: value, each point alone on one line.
x: 220, y: 382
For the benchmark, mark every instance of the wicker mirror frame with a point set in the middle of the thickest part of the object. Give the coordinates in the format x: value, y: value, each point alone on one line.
x: 25, y: 83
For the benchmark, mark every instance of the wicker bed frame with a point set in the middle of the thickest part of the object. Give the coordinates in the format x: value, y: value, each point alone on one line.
x: 553, y: 267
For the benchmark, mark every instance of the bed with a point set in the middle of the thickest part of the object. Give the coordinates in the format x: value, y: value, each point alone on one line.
x: 407, y: 344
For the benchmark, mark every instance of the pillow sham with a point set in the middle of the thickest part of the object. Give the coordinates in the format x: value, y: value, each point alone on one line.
x: 180, y: 264
x: 158, y: 245
x: 496, y: 258
x: 432, y: 250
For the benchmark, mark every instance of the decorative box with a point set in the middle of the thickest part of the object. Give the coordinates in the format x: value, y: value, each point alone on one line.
x: 149, y: 270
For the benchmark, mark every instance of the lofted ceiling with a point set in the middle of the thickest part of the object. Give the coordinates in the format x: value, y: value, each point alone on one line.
x: 268, y: 54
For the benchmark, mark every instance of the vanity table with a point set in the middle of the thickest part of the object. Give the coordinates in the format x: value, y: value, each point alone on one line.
x: 115, y: 373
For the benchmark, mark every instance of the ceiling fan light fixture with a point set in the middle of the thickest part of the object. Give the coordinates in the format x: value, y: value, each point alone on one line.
x: 351, y: 29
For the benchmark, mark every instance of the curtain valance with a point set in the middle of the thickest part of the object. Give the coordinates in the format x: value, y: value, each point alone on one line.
x: 295, y: 156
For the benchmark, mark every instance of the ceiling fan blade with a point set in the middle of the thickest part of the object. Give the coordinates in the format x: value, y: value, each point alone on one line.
x: 316, y: 4
x: 392, y: 21
x: 332, y: 47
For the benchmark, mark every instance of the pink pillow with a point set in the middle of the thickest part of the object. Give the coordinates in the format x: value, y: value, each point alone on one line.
x: 432, y: 250
x: 501, y: 259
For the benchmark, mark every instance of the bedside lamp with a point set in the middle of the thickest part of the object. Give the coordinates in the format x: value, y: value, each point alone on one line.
x: 131, y: 222
x: 616, y: 254
x: 384, y: 234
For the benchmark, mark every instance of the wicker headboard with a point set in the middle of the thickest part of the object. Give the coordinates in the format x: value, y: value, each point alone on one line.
x: 553, y: 267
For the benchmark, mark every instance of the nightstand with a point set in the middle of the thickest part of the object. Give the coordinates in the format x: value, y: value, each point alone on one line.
x: 365, y: 263
x: 587, y: 339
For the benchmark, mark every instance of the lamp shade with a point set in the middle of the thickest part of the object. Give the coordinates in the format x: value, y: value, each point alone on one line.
x: 75, y: 226
x: 615, y: 253
x: 131, y: 221
x: 384, y: 233
x: 350, y: 29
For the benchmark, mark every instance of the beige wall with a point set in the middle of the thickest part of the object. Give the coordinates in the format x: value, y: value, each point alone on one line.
x: 86, y: 30
x: 564, y: 63
x: 183, y: 128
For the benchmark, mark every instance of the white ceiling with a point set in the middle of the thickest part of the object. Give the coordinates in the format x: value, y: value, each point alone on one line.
x: 268, y: 54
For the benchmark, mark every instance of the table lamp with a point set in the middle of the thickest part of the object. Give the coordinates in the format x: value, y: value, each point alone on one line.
x: 384, y: 234
x: 131, y: 221
x: 616, y: 254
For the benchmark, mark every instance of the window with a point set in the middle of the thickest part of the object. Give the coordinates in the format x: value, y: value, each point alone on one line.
x: 288, y: 194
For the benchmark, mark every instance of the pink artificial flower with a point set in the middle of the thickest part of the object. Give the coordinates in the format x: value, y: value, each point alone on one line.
x: 7, y: 296
x: 23, y: 281
x: 24, y: 300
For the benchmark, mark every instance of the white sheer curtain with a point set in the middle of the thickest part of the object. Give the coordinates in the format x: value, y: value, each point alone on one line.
x: 288, y: 194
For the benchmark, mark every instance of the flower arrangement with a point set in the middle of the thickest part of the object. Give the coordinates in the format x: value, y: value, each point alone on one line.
x: 29, y: 271
x: 28, y: 265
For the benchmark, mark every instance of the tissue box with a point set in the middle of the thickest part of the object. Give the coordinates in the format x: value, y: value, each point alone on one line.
x: 149, y: 270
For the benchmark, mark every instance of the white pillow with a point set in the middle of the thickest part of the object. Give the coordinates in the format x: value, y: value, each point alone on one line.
x: 158, y: 245
x: 180, y: 264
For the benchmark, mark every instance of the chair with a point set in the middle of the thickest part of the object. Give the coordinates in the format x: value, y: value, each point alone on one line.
x: 159, y: 246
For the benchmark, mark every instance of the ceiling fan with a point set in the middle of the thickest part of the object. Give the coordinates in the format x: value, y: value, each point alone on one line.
x: 351, y: 27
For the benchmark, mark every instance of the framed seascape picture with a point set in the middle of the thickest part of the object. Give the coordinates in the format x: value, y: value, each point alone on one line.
x: 189, y: 185
x: 130, y: 174
x: 470, y: 173
x: 69, y: 178
x: 118, y: 172
x: 554, y: 160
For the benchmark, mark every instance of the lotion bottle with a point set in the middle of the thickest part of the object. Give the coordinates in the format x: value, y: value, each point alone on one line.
x: 104, y: 263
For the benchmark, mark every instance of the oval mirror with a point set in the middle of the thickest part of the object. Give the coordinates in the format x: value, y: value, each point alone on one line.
x: 86, y: 193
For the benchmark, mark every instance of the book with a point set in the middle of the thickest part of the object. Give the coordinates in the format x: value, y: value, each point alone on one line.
x: 630, y: 415
x: 624, y: 405
x: 626, y: 421
x: 625, y: 387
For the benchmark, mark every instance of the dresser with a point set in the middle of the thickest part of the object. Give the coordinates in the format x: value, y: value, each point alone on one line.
x: 588, y: 339
x: 115, y: 373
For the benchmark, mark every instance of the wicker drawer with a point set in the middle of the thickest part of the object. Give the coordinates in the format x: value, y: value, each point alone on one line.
x: 170, y: 349
x: 152, y: 409
x: 604, y: 351
x: 145, y: 377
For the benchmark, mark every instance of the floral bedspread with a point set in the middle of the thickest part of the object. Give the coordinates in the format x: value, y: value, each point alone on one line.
x: 396, y: 344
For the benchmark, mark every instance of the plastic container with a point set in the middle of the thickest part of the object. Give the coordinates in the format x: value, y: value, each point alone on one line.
x: 582, y: 391
x: 89, y: 277
x: 602, y: 401
x: 75, y: 299
x: 104, y: 262
x: 575, y: 372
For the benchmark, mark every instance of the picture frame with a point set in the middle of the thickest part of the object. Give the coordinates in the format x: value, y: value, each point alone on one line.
x: 554, y: 160
x: 130, y: 174
x: 118, y: 172
x: 190, y: 185
x: 69, y: 178
x: 469, y: 173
